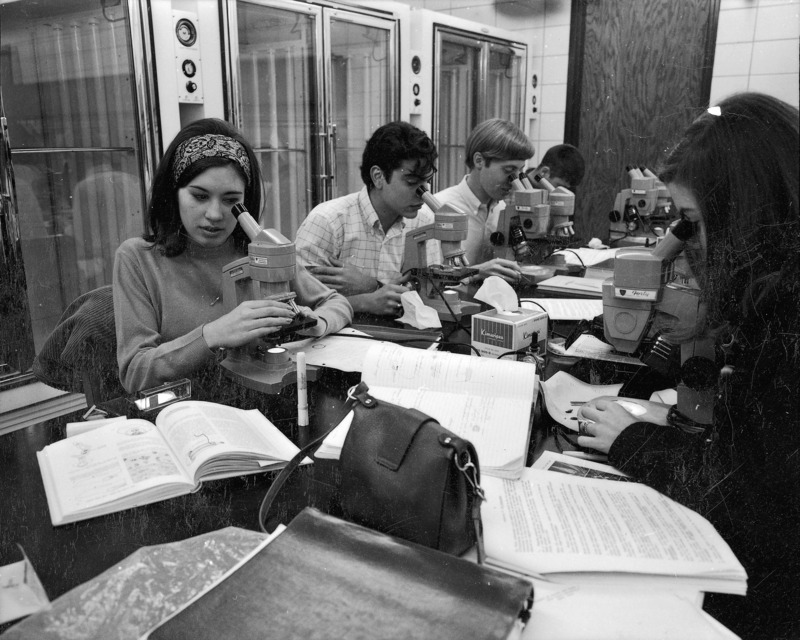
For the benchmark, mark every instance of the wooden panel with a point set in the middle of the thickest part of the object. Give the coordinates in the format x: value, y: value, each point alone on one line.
x: 644, y: 71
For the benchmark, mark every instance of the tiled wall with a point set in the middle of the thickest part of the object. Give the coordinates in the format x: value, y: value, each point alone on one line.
x: 757, y: 49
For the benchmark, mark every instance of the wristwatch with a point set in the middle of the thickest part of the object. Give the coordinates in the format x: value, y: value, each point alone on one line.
x: 676, y: 419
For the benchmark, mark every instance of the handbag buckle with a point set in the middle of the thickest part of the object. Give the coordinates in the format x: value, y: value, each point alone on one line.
x: 470, y: 472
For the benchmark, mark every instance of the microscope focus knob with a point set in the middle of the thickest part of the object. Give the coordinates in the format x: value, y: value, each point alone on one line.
x: 498, y: 238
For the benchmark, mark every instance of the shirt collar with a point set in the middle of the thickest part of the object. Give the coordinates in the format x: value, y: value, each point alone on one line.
x: 370, y: 216
x: 471, y: 198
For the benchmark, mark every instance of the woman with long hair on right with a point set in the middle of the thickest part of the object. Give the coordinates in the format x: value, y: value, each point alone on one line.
x: 734, y: 174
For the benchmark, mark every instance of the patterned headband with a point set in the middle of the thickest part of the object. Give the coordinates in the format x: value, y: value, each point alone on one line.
x: 207, y: 146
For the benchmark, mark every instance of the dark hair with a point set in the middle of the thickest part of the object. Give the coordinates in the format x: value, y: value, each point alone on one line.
x: 163, y: 214
x: 392, y: 144
x: 742, y: 168
x: 565, y: 162
x: 497, y: 139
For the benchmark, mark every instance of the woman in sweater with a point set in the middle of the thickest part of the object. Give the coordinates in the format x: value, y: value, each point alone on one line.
x: 168, y: 306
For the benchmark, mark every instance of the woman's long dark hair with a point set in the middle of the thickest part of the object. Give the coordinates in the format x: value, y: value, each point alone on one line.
x: 741, y: 164
x: 163, y: 214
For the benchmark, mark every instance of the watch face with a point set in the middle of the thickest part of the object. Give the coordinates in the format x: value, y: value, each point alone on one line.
x: 186, y: 32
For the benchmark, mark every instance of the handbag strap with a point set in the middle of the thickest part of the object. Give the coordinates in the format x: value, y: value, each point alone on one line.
x: 356, y: 393
x: 462, y: 458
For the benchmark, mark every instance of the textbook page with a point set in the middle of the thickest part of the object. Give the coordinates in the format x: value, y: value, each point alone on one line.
x: 212, y: 440
x: 94, y: 473
x: 485, y: 400
x: 392, y: 365
x: 582, y: 529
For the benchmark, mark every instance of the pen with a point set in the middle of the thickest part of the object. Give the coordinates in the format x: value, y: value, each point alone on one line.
x: 302, y: 391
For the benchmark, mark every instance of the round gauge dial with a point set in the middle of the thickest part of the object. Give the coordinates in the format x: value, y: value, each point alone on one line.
x: 186, y: 32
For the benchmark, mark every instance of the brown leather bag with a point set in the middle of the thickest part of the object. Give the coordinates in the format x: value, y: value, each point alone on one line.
x: 404, y: 474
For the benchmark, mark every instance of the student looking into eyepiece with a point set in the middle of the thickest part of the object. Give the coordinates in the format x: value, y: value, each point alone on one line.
x: 495, y: 154
x: 734, y: 174
x: 562, y: 165
x: 355, y: 244
x: 168, y: 308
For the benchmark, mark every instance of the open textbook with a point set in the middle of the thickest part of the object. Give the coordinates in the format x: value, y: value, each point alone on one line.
x: 581, y: 530
x: 137, y: 462
x: 485, y: 400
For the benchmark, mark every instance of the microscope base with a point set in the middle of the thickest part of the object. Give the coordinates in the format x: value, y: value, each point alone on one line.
x: 260, y: 376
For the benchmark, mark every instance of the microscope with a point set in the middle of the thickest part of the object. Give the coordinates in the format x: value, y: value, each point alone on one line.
x: 562, y: 207
x: 264, y: 274
x: 643, y: 285
x: 643, y: 212
x: 450, y: 228
x: 533, y: 221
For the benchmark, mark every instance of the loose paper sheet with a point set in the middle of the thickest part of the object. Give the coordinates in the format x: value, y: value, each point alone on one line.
x: 21, y: 591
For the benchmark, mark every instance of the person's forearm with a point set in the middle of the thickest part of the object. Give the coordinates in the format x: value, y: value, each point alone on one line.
x: 362, y: 302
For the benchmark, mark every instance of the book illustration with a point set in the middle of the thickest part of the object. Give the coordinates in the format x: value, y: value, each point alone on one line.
x: 586, y: 472
x: 134, y: 428
x: 143, y: 463
x: 81, y: 458
x: 203, y: 442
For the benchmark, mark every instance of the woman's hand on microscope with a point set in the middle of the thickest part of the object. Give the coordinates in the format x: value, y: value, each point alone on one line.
x: 602, y: 419
x: 252, y: 319
x: 508, y: 270
x: 344, y: 277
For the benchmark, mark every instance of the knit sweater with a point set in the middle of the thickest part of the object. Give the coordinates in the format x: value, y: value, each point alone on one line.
x: 743, y: 474
x: 161, y: 305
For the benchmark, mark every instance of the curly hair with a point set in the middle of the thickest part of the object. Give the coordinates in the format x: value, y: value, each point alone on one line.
x: 392, y: 144
x: 163, y: 213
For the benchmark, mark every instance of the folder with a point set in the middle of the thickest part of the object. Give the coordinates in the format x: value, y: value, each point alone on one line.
x: 327, y: 578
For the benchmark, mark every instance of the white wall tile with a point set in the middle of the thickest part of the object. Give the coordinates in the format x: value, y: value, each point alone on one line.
x: 775, y: 56
x: 553, y: 99
x: 557, y: 13
x: 477, y: 11
x: 722, y: 87
x: 726, y: 5
x: 784, y: 86
x: 552, y: 128
x: 556, y: 41
x: 556, y: 67
x: 733, y: 59
x: 433, y: 5
x: 737, y: 25
x: 535, y: 41
x: 778, y: 22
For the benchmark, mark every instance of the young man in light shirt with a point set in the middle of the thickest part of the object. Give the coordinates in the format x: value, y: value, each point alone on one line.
x: 495, y: 154
x: 355, y: 243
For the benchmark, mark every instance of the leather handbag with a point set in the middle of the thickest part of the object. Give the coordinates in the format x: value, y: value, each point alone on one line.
x: 404, y: 474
